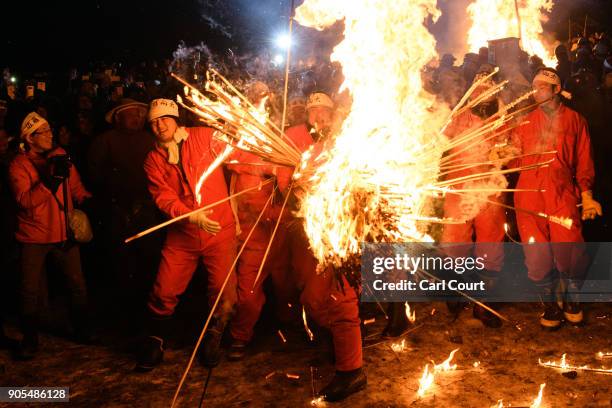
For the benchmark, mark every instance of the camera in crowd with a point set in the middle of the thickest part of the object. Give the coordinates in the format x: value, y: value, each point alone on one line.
x: 59, y: 166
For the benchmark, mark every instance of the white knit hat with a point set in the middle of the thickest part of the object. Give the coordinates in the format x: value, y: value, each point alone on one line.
x: 319, y: 99
x: 163, y: 107
x: 31, y: 122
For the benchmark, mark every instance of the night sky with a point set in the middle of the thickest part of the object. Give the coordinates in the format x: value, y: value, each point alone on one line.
x: 54, y: 35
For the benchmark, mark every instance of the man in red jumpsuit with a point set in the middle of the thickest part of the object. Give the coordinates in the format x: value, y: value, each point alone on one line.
x: 249, y: 171
x: 248, y: 207
x: 482, y: 219
x: 180, y: 157
x: 38, y: 178
x: 332, y: 304
x: 566, y: 183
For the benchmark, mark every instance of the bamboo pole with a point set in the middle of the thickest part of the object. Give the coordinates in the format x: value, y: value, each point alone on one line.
x: 187, y: 215
x: 214, y: 307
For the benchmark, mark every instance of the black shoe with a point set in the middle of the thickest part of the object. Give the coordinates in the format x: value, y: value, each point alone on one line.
x: 486, y: 317
x: 571, y: 305
x: 27, y: 348
x: 454, y: 308
x: 398, y: 321
x: 211, y: 349
x: 552, y: 316
x: 237, y: 350
x: 343, y: 384
x: 573, y: 313
x: 151, y: 354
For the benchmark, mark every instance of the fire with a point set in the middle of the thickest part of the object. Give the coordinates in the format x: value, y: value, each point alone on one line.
x: 565, y: 366
x: 387, y: 149
x: 603, y: 355
x: 411, y: 315
x: 563, y: 221
x: 494, y: 19
x: 538, y: 401
x: 318, y: 402
x: 445, y: 365
x: 535, y: 404
x: 310, y: 335
x: 425, y: 382
x: 397, y: 347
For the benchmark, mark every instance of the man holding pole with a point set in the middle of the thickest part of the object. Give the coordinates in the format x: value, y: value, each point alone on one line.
x: 173, y: 167
x: 564, y: 185
x: 45, y: 187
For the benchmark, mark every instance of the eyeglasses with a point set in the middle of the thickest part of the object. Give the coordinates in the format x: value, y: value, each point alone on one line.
x: 42, y: 131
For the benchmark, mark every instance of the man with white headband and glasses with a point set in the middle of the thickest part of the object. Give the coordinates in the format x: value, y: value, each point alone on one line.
x: 45, y: 187
x: 553, y: 132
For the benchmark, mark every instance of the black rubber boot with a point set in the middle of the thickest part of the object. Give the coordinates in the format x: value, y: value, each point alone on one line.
x: 343, y: 384
x: 398, y: 321
x: 27, y: 348
x: 486, y: 317
x: 210, y: 354
x: 490, y: 279
x: 454, y: 308
x: 237, y: 350
x: 572, y: 310
x: 552, y: 316
x: 151, y: 351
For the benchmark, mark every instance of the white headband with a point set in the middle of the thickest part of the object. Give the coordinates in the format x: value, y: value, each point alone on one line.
x: 548, y: 77
x: 31, y: 122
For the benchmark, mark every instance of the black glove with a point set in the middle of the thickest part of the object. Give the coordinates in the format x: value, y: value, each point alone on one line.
x: 52, y: 183
x: 60, y: 166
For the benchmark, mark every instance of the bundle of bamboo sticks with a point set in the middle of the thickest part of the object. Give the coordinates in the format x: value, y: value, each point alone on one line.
x: 238, y: 122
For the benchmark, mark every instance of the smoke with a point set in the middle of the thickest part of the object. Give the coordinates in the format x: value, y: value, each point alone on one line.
x: 452, y: 28
x: 474, y: 203
x: 217, y: 15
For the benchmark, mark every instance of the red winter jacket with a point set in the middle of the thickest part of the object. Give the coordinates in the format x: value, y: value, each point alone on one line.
x: 173, y: 187
x: 39, y: 218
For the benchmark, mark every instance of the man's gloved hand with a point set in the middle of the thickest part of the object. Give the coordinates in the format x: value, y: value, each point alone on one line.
x: 47, y: 179
x: 60, y: 166
x: 201, y: 220
x: 590, y: 207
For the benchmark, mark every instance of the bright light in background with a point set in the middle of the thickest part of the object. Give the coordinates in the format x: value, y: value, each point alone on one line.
x: 283, y: 41
x: 13, y: 79
x: 278, y: 59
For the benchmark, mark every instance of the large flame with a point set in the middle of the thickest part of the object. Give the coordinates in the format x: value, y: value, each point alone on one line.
x: 493, y: 19
x: 372, y: 187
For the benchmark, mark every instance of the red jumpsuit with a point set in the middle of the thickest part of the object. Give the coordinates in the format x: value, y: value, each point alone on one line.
x: 324, y: 302
x: 570, y: 173
x: 173, y: 189
x: 248, y: 208
x: 488, y: 223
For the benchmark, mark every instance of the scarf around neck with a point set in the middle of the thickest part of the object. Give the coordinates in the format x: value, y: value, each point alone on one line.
x: 173, y: 146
